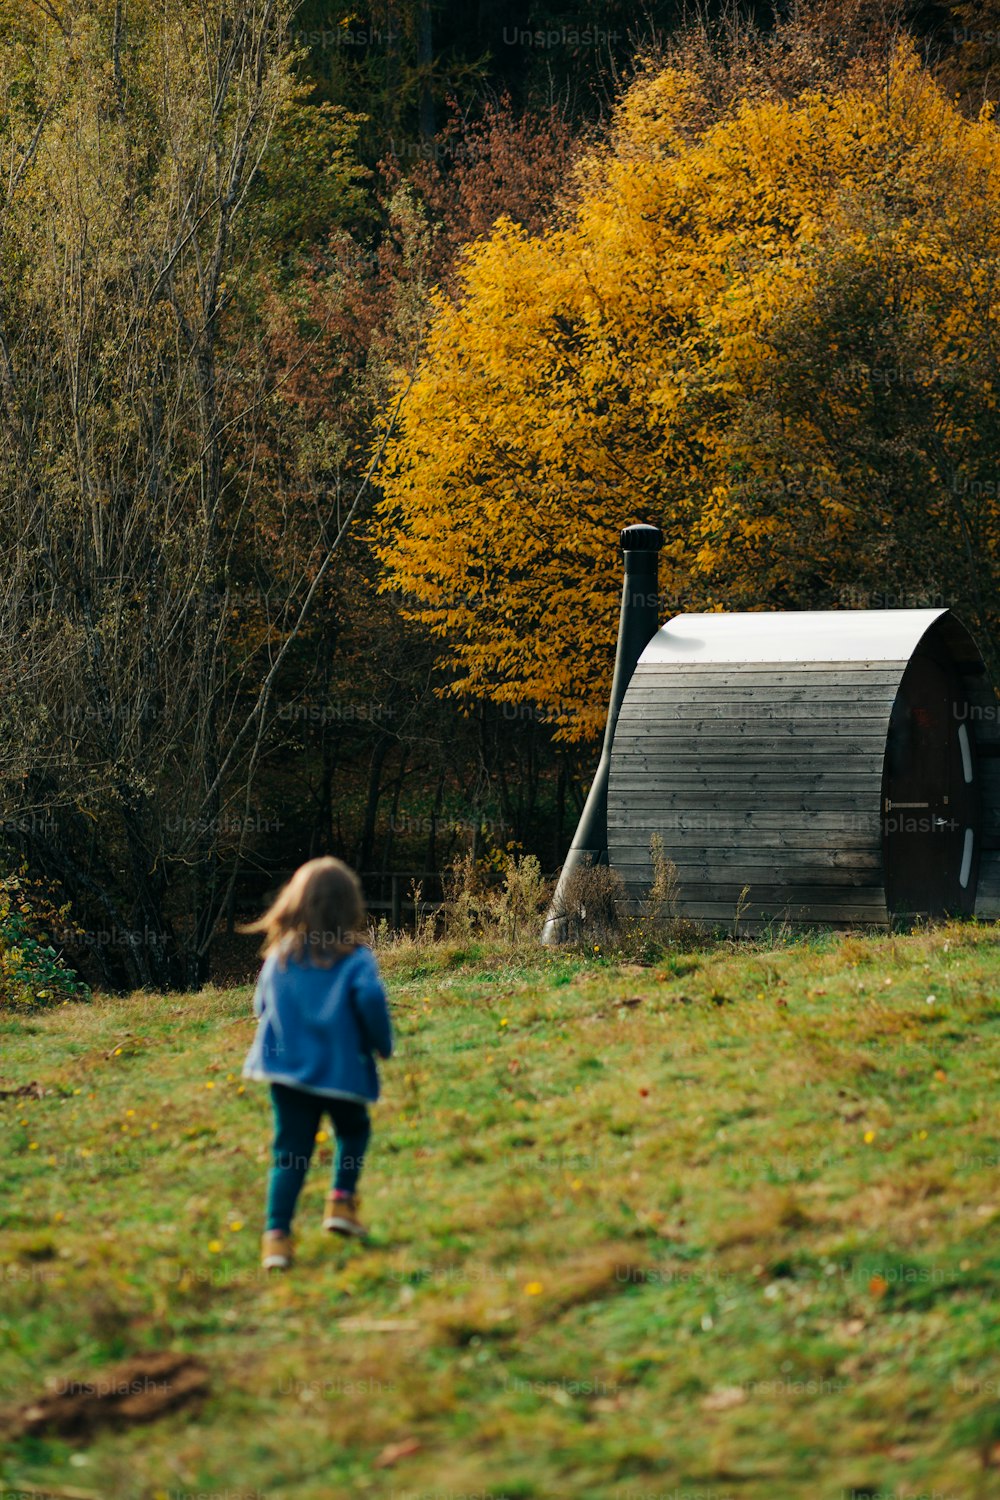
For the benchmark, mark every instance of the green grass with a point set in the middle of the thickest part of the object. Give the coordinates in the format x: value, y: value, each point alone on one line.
x: 726, y: 1226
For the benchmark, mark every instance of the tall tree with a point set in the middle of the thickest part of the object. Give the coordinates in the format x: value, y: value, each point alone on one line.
x: 375, y: 749
x: 132, y: 401
x: 766, y: 323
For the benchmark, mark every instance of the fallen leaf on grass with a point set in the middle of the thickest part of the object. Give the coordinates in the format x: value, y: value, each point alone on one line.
x: 395, y: 1451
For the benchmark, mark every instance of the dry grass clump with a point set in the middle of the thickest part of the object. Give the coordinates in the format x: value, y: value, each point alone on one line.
x: 592, y: 904
x: 511, y: 911
x: 600, y: 912
x: 508, y: 913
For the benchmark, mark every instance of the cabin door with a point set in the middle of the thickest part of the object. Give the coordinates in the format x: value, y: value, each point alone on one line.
x: 930, y: 795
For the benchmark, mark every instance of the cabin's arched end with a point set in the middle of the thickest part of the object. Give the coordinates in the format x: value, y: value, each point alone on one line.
x: 822, y: 767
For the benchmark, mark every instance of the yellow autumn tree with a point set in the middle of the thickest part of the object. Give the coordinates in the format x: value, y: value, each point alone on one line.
x: 770, y: 332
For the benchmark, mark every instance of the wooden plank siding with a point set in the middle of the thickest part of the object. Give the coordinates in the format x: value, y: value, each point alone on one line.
x: 754, y: 916
x: 767, y: 776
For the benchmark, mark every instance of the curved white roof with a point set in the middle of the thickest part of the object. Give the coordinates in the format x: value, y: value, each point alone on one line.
x: 791, y: 635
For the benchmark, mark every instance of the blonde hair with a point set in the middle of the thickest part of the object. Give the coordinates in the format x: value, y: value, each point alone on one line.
x: 319, y: 914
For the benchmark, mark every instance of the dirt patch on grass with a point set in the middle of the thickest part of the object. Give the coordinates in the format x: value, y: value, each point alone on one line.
x: 138, y: 1390
x: 516, y: 1302
x: 24, y: 1091
x: 774, y: 1214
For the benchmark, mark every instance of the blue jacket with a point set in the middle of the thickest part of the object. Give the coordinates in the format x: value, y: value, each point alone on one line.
x: 319, y: 1027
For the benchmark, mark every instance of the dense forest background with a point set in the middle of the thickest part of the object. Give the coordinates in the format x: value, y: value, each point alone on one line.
x: 224, y: 237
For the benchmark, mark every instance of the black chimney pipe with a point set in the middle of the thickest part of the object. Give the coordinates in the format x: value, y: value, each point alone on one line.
x: 637, y: 624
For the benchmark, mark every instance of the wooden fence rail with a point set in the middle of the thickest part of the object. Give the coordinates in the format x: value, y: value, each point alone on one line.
x: 394, y: 889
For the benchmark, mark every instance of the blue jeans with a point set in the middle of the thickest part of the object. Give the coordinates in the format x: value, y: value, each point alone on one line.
x: 297, y: 1118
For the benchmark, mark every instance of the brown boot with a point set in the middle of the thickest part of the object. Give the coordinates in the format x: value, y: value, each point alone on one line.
x: 341, y: 1216
x: 276, y: 1250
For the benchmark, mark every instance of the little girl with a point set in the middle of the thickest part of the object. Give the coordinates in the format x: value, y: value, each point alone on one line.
x: 323, y: 1016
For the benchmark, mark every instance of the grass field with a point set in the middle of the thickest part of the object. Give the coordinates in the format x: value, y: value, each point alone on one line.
x: 722, y: 1227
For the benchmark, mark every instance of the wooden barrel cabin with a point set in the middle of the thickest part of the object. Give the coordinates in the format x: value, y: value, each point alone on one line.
x: 836, y: 767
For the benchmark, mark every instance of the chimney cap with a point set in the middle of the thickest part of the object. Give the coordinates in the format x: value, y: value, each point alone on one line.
x: 641, y: 538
